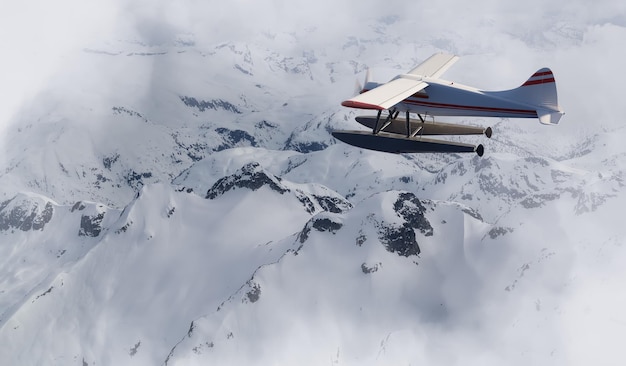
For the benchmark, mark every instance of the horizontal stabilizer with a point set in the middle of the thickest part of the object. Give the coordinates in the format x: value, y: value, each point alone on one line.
x: 549, y: 117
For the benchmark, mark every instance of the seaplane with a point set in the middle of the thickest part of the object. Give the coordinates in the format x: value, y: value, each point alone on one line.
x: 423, y: 94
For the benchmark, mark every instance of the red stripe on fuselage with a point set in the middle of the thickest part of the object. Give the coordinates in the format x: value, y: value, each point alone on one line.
x: 469, y: 107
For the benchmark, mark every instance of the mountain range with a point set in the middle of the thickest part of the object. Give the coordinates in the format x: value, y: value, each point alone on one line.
x: 183, y: 202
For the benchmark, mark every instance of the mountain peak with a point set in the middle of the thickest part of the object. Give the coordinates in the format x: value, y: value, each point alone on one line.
x: 251, y: 176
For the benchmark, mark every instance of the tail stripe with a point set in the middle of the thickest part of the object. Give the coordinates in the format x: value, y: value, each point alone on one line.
x: 539, y: 81
x: 542, y: 76
x: 542, y: 73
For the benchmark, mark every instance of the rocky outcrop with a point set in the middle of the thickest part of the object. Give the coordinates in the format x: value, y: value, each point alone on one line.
x: 409, y: 208
x: 91, y: 225
x: 250, y: 176
x: 215, y: 104
x: 322, y: 223
x: 25, y: 213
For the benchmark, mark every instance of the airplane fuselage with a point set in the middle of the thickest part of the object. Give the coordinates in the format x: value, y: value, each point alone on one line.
x: 445, y: 98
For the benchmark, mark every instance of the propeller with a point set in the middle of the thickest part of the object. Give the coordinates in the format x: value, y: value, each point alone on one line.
x: 358, y: 87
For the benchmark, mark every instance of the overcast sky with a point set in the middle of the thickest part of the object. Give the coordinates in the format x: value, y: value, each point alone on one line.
x: 502, y: 43
x: 38, y: 37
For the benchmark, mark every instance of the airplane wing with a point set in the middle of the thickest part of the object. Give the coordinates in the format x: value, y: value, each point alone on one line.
x: 386, y: 95
x: 402, y: 87
x: 435, y: 65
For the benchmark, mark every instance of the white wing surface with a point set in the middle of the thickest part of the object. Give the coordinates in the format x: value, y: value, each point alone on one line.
x: 435, y: 65
x: 386, y: 95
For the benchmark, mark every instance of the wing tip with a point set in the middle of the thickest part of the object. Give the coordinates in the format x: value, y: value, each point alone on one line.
x: 360, y: 105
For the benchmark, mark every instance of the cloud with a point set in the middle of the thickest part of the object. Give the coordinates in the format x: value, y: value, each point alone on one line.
x: 36, y: 37
x: 501, y: 44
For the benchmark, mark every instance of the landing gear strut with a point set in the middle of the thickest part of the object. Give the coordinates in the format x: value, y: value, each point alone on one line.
x: 392, y: 115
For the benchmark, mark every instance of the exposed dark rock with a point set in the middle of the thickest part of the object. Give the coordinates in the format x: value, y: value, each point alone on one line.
x: 333, y: 204
x: 101, y: 179
x: 196, y: 151
x: 250, y: 176
x: 24, y: 215
x: 499, y: 231
x: 265, y: 124
x: 400, y: 240
x: 91, y: 225
x: 409, y: 207
x: 490, y: 183
x: 589, y: 202
x: 62, y: 167
x: 135, y: 180
x: 78, y: 206
x: 560, y: 176
x: 367, y: 269
x: 459, y: 169
x: 305, y: 147
x: 361, y: 239
x: 234, y: 138
x: 537, y: 161
x: 44, y: 293
x: 473, y: 213
x: 199, y: 348
x: 39, y: 221
x: 441, y: 178
x: 254, y: 293
x: 130, y: 112
x: 238, y: 67
x: 326, y: 224
x: 480, y: 164
x: 134, y: 349
x: 214, y: 104
x: 191, y: 329
x: 124, y: 228
x: 108, y: 161
x: 146, y: 54
x: 538, y: 200
x: 306, y: 201
x: 321, y: 224
x: 304, y: 234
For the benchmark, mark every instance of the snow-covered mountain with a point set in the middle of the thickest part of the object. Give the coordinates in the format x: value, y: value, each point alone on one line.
x: 177, y: 198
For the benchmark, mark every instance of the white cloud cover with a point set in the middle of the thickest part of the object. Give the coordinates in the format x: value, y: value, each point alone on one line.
x: 506, y: 41
x: 500, y: 43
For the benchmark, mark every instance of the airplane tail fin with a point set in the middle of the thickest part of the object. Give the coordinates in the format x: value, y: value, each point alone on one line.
x: 540, y: 91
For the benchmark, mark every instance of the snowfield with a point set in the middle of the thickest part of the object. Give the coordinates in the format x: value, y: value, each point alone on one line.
x: 172, y: 195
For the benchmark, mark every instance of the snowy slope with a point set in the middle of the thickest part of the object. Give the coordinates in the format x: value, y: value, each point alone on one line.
x: 174, y: 196
x: 166, y: 250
